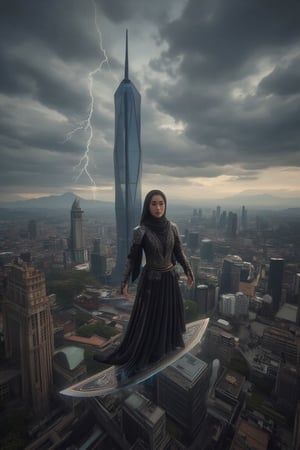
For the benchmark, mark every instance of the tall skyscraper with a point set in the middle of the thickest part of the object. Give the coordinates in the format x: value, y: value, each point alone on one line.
x: 77, y: 252
x: 127, y: 164
x: 181, y: 391
x: 28, y: 332
x: 275, y: 281
x: 244, y: 219
x: 97, y: 260
x: 230, y: 278
x: 144, y: 423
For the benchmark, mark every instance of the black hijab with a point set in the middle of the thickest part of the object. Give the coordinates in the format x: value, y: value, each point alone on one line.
x: 160, y: 225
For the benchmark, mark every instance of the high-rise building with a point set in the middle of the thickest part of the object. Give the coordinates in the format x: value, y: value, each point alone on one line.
x: 76, y: 253
x: 275, y: 281
x: 201, y: 298
x: 28, y: 333
x: 182, y: 391
x: 232, y: 221
x: 127, y: 165
x: 206, y: 249
x: 231, y: 270
x: 195, y: 264
x: 145, y: 422
x: 244, y: 219
x: 98, y: 260
x: 234, y: 304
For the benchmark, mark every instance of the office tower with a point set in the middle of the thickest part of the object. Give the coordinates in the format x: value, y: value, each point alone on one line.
x: 230, y: 278
x: 241, y: 305
x: 227, y: 304
x: 201, y: 298
x: 275, y: 281
x: 206, y: 249
x: 234, y: 304
x: 195, y: 265
x: 77, y: 252
x: 182, y: 391
x: 218, y: 215
x: 144, y: 422
x: 127, y: 165
x: 208, y: 277
x: 28, y: 332
x: 232, y: 221
x: 223, y: 220
x: 220, y: 344
x: 244, y: 219
x: 98, y: 260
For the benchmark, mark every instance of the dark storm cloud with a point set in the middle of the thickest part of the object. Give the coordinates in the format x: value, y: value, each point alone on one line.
x: 283, y: 81
x: 220, y: 91
x: 212, y: 49
x: 218, y: 39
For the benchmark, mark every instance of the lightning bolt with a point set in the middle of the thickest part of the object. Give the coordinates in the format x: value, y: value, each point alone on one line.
x: 86, y: 125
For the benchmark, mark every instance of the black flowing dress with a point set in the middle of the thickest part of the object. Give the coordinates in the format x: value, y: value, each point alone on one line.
x: 157, y: 320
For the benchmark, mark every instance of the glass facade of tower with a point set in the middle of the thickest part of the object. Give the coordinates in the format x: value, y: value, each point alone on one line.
x: 127, y: 165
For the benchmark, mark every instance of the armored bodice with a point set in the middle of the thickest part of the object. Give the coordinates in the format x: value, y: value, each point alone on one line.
x: 159, y: 256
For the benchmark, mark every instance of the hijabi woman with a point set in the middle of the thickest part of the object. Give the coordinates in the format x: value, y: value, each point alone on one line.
x: 157, y: 321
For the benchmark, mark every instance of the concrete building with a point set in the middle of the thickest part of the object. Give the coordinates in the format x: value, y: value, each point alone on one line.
x: 201, y: 298
x: 144, y: 421
x: 182, y: 391
x: 97, y: 260
x: 28, y: 333
x: 235, y: 305
x: 206, y: 249
x: 76, y: 253
x: 283, y: 343
x: 231, y: 270
x: 275, y: 281
x: 219, y: 344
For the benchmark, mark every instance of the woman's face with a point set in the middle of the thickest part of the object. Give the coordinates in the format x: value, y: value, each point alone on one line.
x: 157, y: 206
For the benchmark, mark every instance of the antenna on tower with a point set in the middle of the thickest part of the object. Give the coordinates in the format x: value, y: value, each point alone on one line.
x: 126, y: 57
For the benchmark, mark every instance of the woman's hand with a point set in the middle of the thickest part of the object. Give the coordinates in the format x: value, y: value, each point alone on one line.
x: 125, y: 291
x: 190, y: 281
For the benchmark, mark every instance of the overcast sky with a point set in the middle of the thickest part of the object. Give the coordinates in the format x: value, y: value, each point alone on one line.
x: 220, y: 87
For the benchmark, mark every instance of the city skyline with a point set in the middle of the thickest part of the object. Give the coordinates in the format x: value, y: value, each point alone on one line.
x: 220, y: 87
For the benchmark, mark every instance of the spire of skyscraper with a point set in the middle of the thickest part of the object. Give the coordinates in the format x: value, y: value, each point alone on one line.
x: 126, y: 74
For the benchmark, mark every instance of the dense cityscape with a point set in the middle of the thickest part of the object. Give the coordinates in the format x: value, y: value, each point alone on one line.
x: 238, y: 388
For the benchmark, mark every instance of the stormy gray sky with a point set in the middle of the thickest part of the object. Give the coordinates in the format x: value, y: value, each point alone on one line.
x: 220, y: 87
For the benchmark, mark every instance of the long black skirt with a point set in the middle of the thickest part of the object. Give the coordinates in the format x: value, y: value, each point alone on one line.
x: 156, y: 323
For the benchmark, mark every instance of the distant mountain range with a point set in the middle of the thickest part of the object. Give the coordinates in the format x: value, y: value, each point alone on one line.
x: 65, y: 201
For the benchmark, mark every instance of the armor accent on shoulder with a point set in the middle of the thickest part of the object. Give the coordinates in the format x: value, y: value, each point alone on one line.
x: 138, y: 234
